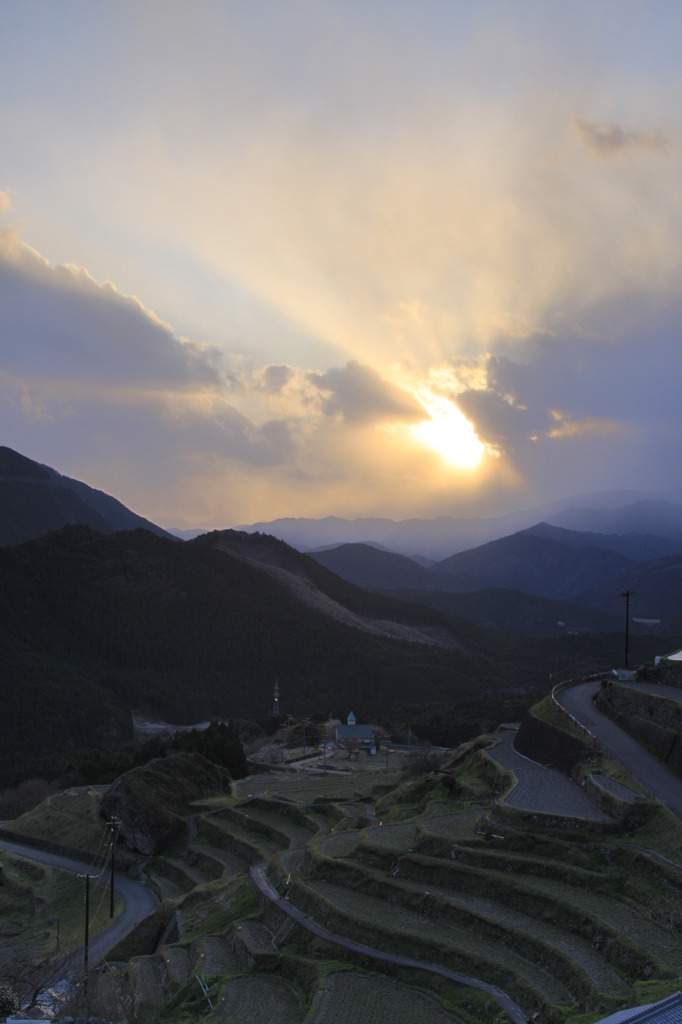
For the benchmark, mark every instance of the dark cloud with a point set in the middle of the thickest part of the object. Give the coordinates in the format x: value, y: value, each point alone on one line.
x: 589, y: 408
x: 498, y: 422
x: 273, y: 379
x: 59, y: 323
x: 89, y: 372
x: 361, y: 395
x: 611, y: 140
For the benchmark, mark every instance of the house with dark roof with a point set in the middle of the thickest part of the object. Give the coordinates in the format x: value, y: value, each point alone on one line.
x: 353, y: 735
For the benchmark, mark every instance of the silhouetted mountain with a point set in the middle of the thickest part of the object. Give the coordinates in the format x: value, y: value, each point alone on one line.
x: 93, y: 626
x: 524, y: 561
x: 640, y: 547
x: 532, y: 582
x: 372, y: 568
x: 649, y: 516
x: 35, y: 499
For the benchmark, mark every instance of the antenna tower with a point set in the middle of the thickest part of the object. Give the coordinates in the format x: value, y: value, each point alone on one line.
x: 275, y: 704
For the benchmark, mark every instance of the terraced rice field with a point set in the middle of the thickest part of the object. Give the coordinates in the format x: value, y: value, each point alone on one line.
x: 565, y: 915
x: 398, y: 929
x: 260, y: 1001
x: 372, y: 999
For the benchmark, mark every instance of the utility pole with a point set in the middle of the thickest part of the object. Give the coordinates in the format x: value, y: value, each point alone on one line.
x: 87, y: 878
x: 627, y: 594
x: 113, y: 826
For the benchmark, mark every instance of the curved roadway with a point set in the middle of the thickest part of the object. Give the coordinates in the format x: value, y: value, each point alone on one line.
x: 138, y: 901
x: 647, y: 769
x: 259, y: 877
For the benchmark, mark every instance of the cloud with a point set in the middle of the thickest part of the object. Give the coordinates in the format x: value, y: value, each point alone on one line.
x: 360, y: 395
x: 611, y: 140
x: 274, y: 379
x: 332, y: 211
x: 93, y: 383
x: 590, y: 405
x: 592, y: 426
x: 58, y: 323
x: 497, y: 421
x: 97, y: 372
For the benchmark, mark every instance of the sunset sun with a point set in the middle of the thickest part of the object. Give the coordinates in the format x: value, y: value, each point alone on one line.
x: 448, y: 433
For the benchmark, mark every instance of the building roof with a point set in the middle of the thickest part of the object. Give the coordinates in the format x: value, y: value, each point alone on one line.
x: 667, y: 1011
x: 354, y: 732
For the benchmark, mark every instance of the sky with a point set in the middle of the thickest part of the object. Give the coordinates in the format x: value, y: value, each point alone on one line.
x: 402, y: 258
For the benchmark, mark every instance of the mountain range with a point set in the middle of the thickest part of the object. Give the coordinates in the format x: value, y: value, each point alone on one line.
x: 97, y: 621
x: 432, y: 540
x: 578, y: 573
x: 580, y: 576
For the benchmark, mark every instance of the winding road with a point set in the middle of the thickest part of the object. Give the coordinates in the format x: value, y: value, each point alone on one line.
x: 652, y: 773
x: 138, y: 901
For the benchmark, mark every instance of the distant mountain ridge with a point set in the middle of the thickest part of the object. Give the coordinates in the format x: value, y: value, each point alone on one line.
x: 545, y: 580
x: 35, y: 499
x: 443, y: 536
x: 534, y: 564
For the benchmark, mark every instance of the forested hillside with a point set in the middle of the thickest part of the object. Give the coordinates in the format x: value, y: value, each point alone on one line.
x: 94, y: 626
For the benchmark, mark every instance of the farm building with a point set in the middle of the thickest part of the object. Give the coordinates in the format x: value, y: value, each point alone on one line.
x: 362, y: 735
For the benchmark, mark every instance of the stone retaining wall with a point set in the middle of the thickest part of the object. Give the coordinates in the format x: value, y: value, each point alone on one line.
x: 653, y: 721
x: 549, y: 745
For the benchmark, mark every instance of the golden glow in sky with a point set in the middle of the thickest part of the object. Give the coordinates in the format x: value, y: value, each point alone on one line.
x: 448, y: 433
x: 363, y: 259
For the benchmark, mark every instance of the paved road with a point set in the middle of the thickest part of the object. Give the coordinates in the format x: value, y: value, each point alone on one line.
x: 502, y: 999
x: 540, y: 789
x: 138, y: 901
x: 647, y: 769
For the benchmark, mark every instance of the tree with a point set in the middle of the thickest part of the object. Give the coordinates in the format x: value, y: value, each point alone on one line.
x: 352, y: 746
x: 27, y: 977
x: 8, y: 999
x: 424, y: 759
